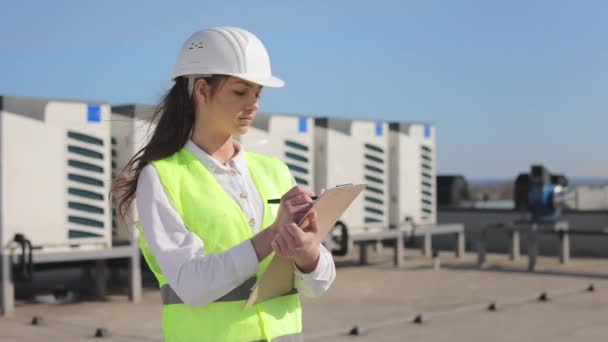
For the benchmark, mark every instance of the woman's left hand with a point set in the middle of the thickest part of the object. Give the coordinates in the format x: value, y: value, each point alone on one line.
x: 300, y: 243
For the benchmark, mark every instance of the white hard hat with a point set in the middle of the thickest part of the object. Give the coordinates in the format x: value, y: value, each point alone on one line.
x: 226, y: 51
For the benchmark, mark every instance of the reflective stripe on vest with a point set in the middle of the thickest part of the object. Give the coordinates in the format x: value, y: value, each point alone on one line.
x: 241, y: 292
x: 285, y: 338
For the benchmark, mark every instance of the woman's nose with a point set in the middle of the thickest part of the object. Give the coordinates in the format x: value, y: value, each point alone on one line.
x: 254, y: 104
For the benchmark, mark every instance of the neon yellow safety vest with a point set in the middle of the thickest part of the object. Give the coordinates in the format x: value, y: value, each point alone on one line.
x: 210, y: 213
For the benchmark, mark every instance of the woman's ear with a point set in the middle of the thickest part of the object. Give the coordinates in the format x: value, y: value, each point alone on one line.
x: 201, y: 90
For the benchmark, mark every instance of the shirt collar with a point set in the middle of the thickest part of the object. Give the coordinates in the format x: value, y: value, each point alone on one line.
x: 238, y: 162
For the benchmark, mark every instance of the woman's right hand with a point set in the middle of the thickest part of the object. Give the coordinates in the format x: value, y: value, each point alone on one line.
x: 294, y: 205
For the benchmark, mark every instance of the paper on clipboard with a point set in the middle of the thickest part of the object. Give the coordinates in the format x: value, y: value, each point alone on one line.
x: 278, y: 277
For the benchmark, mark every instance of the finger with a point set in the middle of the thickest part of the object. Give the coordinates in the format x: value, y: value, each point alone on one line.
x: 300, y: 207
x: 299, y: 199
x: 296, y: 190
x: 297, y: 235
x: 295, y: 210
x: 289, y: 240
x: 276, y: 246
x: 281, y: 244
x: 313, y: 224
x: 303, y: 221
x: 299, y: 216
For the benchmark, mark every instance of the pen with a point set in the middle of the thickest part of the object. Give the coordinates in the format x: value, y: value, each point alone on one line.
x: 278, y: 200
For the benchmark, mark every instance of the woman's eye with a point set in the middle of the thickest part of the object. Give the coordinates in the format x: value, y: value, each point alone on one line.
x: 239, y: 93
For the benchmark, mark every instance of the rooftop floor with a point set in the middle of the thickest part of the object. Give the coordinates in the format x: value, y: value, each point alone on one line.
x: 382, y: 302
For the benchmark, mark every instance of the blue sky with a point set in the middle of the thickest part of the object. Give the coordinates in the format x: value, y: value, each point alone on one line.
x: 508, y: 83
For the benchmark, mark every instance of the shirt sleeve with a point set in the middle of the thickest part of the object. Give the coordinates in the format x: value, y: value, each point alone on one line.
x: 317, y: 282
x: 196, y: 277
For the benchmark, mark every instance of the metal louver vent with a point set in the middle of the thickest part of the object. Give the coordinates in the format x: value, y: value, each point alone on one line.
x: 374, y: 173
x: 85, y: 193
x: 114, y: 175
x: 298, y: 159
x: 427, y: 182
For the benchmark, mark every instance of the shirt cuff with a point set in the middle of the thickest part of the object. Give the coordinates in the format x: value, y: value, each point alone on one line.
x: 320, y: 272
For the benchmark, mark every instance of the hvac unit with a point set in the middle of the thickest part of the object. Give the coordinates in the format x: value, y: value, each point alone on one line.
x: 413, y: 189
x: 585, y: 197
x: 287, y: 137
x: 131, y: 130
x: 354, y: 151
x: 55, y: 173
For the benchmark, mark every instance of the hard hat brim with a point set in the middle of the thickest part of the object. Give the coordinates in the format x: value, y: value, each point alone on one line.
x: 265, y: 81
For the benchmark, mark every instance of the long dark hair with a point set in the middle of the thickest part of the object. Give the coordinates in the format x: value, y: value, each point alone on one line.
x: 174, y: 118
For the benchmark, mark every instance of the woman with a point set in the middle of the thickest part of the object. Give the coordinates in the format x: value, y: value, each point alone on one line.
x: 207, y: 230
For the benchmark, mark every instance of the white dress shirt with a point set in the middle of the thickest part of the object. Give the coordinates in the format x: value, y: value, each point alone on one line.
x: 199, y: 278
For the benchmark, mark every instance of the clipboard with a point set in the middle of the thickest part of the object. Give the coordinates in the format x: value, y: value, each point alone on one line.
x: 278, y: 278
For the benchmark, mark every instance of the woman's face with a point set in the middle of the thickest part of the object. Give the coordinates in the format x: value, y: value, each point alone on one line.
x: 232, y: 107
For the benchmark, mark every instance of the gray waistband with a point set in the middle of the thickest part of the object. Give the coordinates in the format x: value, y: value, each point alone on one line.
x: 241, y: 292
x: 286, y: 338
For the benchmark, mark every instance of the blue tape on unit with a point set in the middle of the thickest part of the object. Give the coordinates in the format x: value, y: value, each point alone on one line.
x: 93, y: 113
x: 302, y: 125
x: 427, y: 131
x: 379, y: 129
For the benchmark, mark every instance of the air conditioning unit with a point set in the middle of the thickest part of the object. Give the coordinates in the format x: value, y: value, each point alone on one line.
x: 355, y: 151
x: 55, y: 174
x: 413, y: 170
x: 132, y: 128
x: 287, y: 137
x: 585, y: 197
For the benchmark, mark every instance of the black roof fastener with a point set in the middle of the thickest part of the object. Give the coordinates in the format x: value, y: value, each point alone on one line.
x: 102, y: 333
x: 38, y: 320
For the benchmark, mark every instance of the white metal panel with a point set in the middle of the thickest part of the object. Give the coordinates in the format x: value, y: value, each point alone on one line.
x: 356, y: 151
x: 33, y: 188
x: 591, y: 198
x: 287, y: 137
x: 585, y: 197
x: 74, y: 118
x: 37, y: 192
x: 413, y: 174
x: 122, y: 152
x: 130, y: 133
